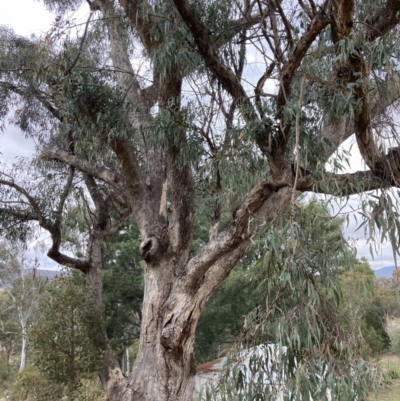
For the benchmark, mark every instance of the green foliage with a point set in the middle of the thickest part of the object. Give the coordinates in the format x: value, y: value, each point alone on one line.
x: 312, y: 348
x: 394, y: 374
x: 10, y: 332
x: 375, y: 319
x: 63, y: 338
x: 4, y: 368
x: 224, y: 315
x: 123, y: 288
x: 375, y: 341
x: 395, y: 341
x: 17, y: 302
x: 362, y: 306
x: 31, y: 385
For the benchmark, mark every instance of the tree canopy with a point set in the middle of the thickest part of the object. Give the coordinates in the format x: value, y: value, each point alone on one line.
x: 179, y: 112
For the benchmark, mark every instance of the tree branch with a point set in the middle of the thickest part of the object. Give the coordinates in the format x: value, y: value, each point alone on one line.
x: 71, y: 67
x: 124, y: 72
x: 41, y: 219
x: 20, y: 215
x: 39, y: 96
x: 317, y: 24
x: 134, y: 11
x: 225, y: 75
x: 53, y: 252
x: 118, y: 225
x: 263, y: 204
x: 101, y: 173
x: 68, y: 261
x: 64, y: 195
x: 384, y: 20
x: 342, y: 184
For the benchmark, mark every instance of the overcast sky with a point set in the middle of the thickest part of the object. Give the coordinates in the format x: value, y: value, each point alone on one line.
x: 29, y: 17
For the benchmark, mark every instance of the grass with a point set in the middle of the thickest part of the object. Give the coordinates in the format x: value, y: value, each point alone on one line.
x: 391, y: 392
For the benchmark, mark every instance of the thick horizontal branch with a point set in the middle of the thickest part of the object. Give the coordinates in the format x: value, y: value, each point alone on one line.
x: 342, y: 184
x: 101, y: 173
x: 68, y: 261
x: 262, y: 206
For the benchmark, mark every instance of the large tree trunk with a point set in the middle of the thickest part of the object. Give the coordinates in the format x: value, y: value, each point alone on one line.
x: 175, y: 294
x: 164, y: 368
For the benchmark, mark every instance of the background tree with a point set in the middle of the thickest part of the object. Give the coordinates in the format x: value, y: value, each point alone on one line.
x: 62, y: 346
x: 10, y: 336
x: 22, y: 286
x: 387, y: 291
x: 223, y: 317
x: 388, y: 294
x: 199, y: 132
x: 123, y: 292
x: 364, y: 307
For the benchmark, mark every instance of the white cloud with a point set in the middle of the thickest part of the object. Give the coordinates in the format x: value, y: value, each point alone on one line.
x: 15, y: 144
x: 26, y: 17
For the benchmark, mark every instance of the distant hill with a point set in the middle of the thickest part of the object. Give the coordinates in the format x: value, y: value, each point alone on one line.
x: 50, y: 274
x: 385, y: 271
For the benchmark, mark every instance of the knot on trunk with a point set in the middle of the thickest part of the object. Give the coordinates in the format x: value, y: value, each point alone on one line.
x: 154, y: 245
x: 150, y: 249
x: 165, y: 333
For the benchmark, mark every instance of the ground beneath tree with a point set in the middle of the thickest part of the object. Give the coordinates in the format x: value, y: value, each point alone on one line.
x: 388, y: 362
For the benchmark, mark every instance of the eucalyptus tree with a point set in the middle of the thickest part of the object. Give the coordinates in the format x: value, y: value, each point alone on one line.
x: 258, y: 284
x: 168, y: 109
x: 61, y: 337
x: 22, y: 287
x: 310, y: 349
